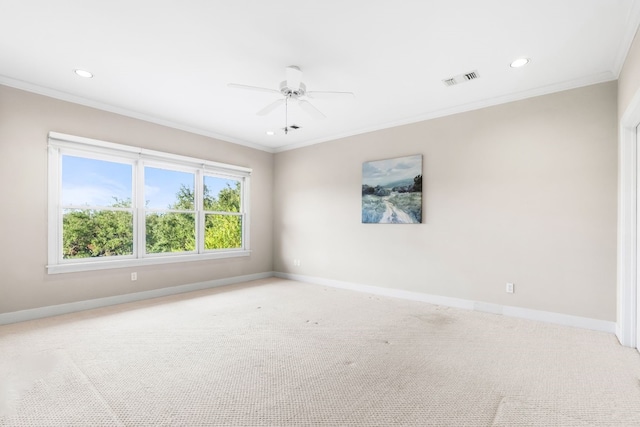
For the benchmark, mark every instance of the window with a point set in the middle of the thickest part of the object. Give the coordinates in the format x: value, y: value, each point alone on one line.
x: 170, y: 213
x: 114, y: 205
x: 222, y: 215
x: 97, y: 217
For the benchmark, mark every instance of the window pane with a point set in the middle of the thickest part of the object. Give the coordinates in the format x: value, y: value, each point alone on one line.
x: 222, y: 231
x: 221, y: 194
x: 168, y: 189
x: 96, y: 233
x: 90, y: 182
x: 170, y: 232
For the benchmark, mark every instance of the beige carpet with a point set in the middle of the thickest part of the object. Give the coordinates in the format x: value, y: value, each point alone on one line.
x: 283, y: 353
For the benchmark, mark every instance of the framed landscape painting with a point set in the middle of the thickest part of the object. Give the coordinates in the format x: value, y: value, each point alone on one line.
x: 392, y: 191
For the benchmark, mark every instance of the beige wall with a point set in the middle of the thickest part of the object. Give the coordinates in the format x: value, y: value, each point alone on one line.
x: 25, y: 120
x: 629, y: 80
x: 523, y: 192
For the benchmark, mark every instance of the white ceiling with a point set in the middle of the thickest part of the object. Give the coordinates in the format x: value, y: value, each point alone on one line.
x: 169, y: 61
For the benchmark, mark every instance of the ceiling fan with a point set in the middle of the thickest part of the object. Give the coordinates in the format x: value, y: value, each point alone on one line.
x: 293, y: 89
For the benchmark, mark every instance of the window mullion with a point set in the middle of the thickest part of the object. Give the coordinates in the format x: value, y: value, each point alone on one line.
x: 244, y: 208
x: 199, y: 205
x: 140, y: 215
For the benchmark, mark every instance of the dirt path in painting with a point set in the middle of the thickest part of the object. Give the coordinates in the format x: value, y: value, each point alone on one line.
x: 394, y: 215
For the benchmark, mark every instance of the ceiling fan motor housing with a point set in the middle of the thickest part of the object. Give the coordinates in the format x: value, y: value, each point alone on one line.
x: 290, y: 93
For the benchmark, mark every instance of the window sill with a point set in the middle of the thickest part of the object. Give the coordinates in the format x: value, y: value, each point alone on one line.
x: 105, y: 264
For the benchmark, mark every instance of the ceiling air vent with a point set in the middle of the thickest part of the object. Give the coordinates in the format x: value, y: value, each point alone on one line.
x: 461, y: 78
x: 472, y: 75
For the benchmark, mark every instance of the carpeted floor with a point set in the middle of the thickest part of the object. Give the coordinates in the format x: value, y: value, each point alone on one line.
x: 283, y: 353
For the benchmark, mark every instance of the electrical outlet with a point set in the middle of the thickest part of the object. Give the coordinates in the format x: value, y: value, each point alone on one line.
x: 134, y: 276
x: 509, y: 288
x: 296, y: 262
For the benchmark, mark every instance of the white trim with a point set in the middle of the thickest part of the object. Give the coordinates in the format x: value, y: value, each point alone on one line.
x: 199, y: 206
x: 139, y: 239
x: 153, y: 259
x: 626, y: 328
x: 56, y: 310
x: 523, y: 313
x: 606, y: 76
x: 245, y: 206
x: 61, y: 144
x: 154, y: 157
x: 630, y: 29
x: 519, y: 312
x: 53, y: 219
x: 53, y: 93
x: 559, y: 87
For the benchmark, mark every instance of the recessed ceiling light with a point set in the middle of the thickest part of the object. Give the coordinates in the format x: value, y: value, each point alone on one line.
x: 520, y: 62
x: 270, y: 133
x: 83, y: 73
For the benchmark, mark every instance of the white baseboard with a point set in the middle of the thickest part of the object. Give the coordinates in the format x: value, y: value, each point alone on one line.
x: 55, y: 310
x: 523, y: 313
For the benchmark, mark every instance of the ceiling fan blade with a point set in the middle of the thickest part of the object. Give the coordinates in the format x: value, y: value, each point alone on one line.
x: 254, y: 88
x: 310, y: 109
x: 294, y: 77
x: 322, y: 94
x: 269, y: 108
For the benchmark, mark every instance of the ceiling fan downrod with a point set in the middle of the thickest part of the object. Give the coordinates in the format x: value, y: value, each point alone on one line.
x: 286, y: 115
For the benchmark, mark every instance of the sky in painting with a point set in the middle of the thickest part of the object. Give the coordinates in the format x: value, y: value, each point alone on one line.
x: 384, y: 172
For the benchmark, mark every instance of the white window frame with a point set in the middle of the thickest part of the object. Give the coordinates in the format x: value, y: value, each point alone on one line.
x: 60, y: 144
x: 141, y: 200
x: 203, y: 213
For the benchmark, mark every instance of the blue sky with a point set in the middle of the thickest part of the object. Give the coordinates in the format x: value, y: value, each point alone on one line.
x: 161, y: 186
x: 96, y: 183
